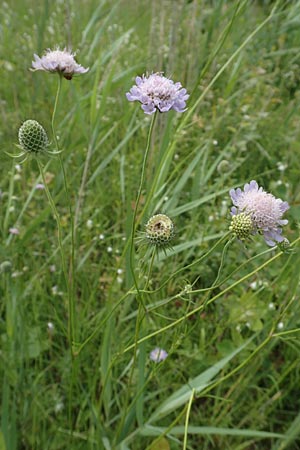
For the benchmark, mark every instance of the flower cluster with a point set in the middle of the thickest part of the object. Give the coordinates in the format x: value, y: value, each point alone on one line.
x: 158, y: 93
x: 60, y: 61
x: 262, y: 208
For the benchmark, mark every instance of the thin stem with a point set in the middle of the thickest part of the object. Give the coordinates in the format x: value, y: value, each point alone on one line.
x: 140, y: 317
x: 59, y: 230
x: 137, y: 204
x: 71, y: 280
x: 187, y: 417
x: 150, y: 268
x: 197, y: 261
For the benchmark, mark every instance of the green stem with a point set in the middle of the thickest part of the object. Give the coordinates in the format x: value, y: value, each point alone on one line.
x: 133, y: 228
x: 59, y: 230
x: 71, y: 280
x: 139, y: 296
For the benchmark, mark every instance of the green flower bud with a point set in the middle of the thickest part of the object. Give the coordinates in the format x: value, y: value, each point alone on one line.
x: 160, y: 230
x: 242, y: 226
x: 33, y: 137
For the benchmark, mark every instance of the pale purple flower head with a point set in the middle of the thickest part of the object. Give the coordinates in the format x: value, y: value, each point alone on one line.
x: 265, y: 211
x: 39, y: 186
x: 60, y: 61
x: 158, y: 354
x: 157, y: 92
x: 14, y: 231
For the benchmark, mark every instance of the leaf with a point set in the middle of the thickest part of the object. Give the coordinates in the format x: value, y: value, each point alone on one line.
x: 160, y: 444
x: 149, y: 430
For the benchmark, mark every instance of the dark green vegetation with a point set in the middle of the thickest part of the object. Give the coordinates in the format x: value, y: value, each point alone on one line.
x: 240, y: 61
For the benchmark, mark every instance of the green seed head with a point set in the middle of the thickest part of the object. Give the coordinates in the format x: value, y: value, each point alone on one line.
x: 160, y: 230
x: 242, y: 226
x: 33, y: 137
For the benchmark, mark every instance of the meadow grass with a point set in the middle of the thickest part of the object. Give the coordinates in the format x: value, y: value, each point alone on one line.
x: 75, y: 368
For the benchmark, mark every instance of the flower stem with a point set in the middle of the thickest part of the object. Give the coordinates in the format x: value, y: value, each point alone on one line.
x: 137, y: 204
x: 71, y: 280
x: 59, y: 230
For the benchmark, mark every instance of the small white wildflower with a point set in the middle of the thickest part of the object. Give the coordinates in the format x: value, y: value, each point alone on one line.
x: 39, y: 186
x: 120, y: 280
x: 281, y: 166
x: 280, y: 326
x: 176, y: 156
x: 89, y: 224
x: 52, y: 268
x: 101, y: 237
x: 215, y: 142
x: 54, y: 290
x: 18, y: 168
x: 59, y: 407
x: 119, y: 271
x: 109, y: 249
x: 271, y: 306
x: 50, y: 326
x: 253, y: 285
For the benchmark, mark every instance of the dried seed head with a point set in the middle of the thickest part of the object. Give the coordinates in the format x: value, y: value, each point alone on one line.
x: 33, y: 137
x: 160, y: 230
x: 242, y: 226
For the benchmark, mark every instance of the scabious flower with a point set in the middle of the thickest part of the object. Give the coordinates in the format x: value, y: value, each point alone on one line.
x: 14, y: 231
x: 257, y: 211
x: 60, y: 61
x: 157, y: 92
x: 160, y: 230
x: 32, y: 137
x: 158, y: 354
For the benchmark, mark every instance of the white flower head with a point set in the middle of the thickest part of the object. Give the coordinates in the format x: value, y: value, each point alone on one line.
x: 264, y: 210
x: 60, y: 61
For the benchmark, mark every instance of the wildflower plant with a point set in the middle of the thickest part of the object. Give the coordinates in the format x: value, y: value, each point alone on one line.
x: 257, y: 211
x: 129, y: 302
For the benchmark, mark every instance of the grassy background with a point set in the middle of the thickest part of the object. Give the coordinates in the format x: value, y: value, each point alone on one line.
x: 245, y: 127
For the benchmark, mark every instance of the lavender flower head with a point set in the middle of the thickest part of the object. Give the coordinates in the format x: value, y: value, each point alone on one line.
x: 264, y: 210
x: 158, y: 354
x: 60, y: 61
x: 157, y: 92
